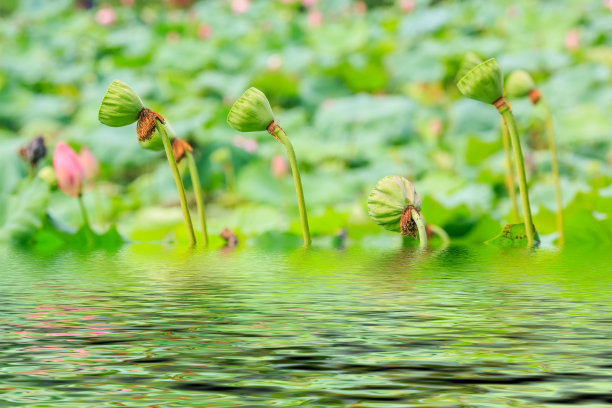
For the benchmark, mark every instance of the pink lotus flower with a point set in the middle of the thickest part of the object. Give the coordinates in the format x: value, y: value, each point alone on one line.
x: 572, y: 40
x: 407, y: 6
x: 315, y: 18
x: 204, y: 31
x: 279, y: 166
x: 68, y: 170
x: 106, y: 16
x: 90, y: 164
x: 240, y: 6
x: 608, y: 4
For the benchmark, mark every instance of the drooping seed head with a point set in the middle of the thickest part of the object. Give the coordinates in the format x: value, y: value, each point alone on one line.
x: 519, y: 83
x: 392, y: 198
x: 120, y: 106
x: 483, y: 83
x: 251, y: 112
x: 470, y: 61
x: 34, y: 151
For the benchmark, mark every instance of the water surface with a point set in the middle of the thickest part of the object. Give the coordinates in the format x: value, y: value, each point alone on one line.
x: 149, y: 326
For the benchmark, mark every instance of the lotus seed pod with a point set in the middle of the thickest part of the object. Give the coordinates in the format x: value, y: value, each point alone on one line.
x: 251, y: 112
x: 387, y: 202
x: 120, y: 106
x: 483, y: 83
x: 519, y: 84
x: 470, y: 61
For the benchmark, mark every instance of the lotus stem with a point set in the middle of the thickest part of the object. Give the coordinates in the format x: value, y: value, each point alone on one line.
x: 88, y: 230
x: 555, y: 170
x: 179, y: 183
x: 282, y: 136
x: 510, y: 177
x: 197, y: 189
x: 420, y: 222
x: 436, y: 229
x: 506, y: 113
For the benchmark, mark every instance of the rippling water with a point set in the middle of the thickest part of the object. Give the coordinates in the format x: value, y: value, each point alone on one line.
x: 153, y: 327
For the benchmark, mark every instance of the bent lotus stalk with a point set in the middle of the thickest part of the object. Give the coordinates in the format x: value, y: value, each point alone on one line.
x: 252, y: 113
x: 521, y: 84
x: 121, y: 106
x: 484, y: 83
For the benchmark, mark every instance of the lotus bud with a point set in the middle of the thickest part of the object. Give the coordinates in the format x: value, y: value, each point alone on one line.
x: 251, y: 112
x: 120, y: 106
x: 391, y: 202
x: 47, y: 174
x: 179, y: 148
x: 483, y: 83
x: 470, y: 61
x: 68, y: 170
x: 90, y: 164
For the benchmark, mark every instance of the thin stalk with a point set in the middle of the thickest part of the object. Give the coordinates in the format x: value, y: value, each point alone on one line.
x: 520, y: 170
x: 436, y: 229
x: 555, y: 170
x: 510, y: 178
x: 420, y: 222
x: 88, y: 230
x: 282, y: 136
x: 197, y: 189
x: 179, y: 183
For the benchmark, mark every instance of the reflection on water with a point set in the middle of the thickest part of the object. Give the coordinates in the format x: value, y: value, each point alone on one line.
x: 147, y: 327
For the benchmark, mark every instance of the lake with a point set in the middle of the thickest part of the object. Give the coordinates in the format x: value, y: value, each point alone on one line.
x: 155, y: 326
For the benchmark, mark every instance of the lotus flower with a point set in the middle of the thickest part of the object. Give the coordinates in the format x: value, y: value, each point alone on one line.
x: 68, y: 169
x: 90, y: 164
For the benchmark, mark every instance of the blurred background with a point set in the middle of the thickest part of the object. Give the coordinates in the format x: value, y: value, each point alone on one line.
x: 364, y: 89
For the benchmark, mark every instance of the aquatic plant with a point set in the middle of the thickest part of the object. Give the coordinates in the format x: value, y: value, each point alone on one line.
x: 395, y: 205
x: 121, y: 106
x: 180, y: 150
x: 520, y: 84
x: 71, y: 177
x: 34, y: 152
x: 484, y: 83
x: 252, y: 113
x: 470, y: 61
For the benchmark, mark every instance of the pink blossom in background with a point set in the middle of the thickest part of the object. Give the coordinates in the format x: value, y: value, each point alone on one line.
x: 68, y: 170
x: 248, y: 145
x: 407, y: 6
x: 106, y: 16
x: 436, y: 126
x: 274, y: 62
x: 204, y: 31
x: 309, y: 3
x: 279, y: 166
x: 572, y: 39
x: 360, y: 7
x: 240, y: 6
x: 90, y: 164
x: 608, y: 4
x: 315, y: 18
x: 127, y: 3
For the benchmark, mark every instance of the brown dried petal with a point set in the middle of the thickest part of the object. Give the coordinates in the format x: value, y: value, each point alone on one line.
x: 179, y: 147
x: 146, y: 123
x: 407, y: 224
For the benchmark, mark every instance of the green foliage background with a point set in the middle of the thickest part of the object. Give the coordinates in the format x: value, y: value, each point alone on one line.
x: 367, y: 93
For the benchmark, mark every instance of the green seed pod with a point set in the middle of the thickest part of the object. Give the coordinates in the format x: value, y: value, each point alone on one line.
x: 470, y: 61
x: 387, y: 202
x: 519, y: 84
x: 251, y: 112
x: 47, y: 174
x: 484, y: 82
x: 120, y: 106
